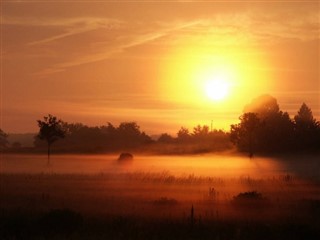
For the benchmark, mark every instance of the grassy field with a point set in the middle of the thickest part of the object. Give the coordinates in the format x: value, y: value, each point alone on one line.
x: 167, y: 197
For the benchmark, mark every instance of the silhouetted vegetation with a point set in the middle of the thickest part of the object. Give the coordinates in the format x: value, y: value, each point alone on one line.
x: 85, y: 139
x: 306, y: 129
x: 253, y: 195
x: 50, y: 130
x: 264, y: 128
x: 166, y: 138
x: 128, y: 137
x: 125, y: 157
x: 200, y: 140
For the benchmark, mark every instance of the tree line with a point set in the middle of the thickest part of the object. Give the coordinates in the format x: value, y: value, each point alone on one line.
x: 263, y: 128
x: 127, y: 136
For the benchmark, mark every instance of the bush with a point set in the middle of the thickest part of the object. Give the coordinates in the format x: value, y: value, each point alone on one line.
x: 248, y: 196
x: 250, y: 200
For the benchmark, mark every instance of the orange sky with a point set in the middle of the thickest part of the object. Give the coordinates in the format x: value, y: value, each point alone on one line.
x: 113, y: 61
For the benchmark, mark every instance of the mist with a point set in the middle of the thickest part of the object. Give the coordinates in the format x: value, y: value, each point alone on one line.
x: 211, y: 165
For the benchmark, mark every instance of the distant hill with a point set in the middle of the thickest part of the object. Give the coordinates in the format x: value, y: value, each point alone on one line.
x: 25, y: 139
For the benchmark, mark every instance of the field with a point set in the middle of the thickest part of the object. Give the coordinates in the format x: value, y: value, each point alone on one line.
x: 160, y: 197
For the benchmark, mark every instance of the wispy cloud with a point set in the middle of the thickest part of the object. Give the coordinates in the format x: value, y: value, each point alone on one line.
x: 115, y: 36
x: 132, y: 40
x: 67, y: 26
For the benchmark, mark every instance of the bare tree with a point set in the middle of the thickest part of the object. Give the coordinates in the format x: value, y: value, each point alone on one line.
x: 50, y: 130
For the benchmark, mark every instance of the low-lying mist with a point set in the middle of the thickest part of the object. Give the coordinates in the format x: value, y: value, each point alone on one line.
x: 193, y: 191
x: 219, y: 165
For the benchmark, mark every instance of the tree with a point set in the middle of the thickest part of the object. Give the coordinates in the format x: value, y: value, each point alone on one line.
x: 165, y: 138
x: 277, y: 133
x: 245, y: 134
x: 51, y: 129
x: 129, y: 129
x: 304, y: 116
x: 307, y: 128
x: 201, y: 131
x: 275, y: 128
x: 183, y: 134
x: 3, y: 140
x: 130, y: 136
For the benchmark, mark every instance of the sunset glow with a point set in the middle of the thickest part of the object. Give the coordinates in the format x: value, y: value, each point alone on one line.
x: 217, y: 89
x: 185, y: 63
x: 160, y: 119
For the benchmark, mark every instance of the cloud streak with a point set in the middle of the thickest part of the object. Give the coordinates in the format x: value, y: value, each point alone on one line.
x: 116, y: 36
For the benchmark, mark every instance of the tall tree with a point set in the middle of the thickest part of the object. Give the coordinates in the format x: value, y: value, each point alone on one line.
x: 304, y: 116
x: 165, y: 138
x: 275, y: 127
x: 183, y: 134
x: 50, y: 130
x: 201, y: 131
x: 307, y: 128
x: 3, y: 140
x: 245, y: 134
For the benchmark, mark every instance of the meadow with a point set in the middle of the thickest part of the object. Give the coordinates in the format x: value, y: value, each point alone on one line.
x: 220, y: 196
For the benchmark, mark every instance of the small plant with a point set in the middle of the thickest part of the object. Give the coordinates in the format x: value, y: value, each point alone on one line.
x: 254, y: 195
x: 250, y: 200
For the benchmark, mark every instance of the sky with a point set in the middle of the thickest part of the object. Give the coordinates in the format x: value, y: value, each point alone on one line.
x: 155, y: 62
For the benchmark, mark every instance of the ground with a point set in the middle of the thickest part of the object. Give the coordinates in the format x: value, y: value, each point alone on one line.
x: 92, y: 197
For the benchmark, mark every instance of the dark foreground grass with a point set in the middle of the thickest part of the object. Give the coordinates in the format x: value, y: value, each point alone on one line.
x: 157, y: 206
x: 68, y: 224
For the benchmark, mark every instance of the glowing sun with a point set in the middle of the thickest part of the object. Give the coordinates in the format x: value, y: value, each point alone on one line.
x: 217, y: 89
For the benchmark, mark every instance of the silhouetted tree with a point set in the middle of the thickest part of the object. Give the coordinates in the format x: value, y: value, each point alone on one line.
x: 275, y: 133
x: 129, y: 135
x: 307, y: 129
x: 109, y: 129
x: 305, y: 117
x: 183, y: 134
x: 275, y: 127
x: 110, y: 137
x: 129, y: 129
x: 270, y: 130
x: 3, y: 140
x: 200, y: 131
x: 165, y: 138
x: 51, y: 129
x: 245, y: 134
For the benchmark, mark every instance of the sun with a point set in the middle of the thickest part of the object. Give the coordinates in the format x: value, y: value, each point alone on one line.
x: 217, y: 88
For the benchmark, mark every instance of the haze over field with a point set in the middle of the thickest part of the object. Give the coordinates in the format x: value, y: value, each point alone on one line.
x: 223, y: 165
x: 202, y: 165
x: 93, y: 196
